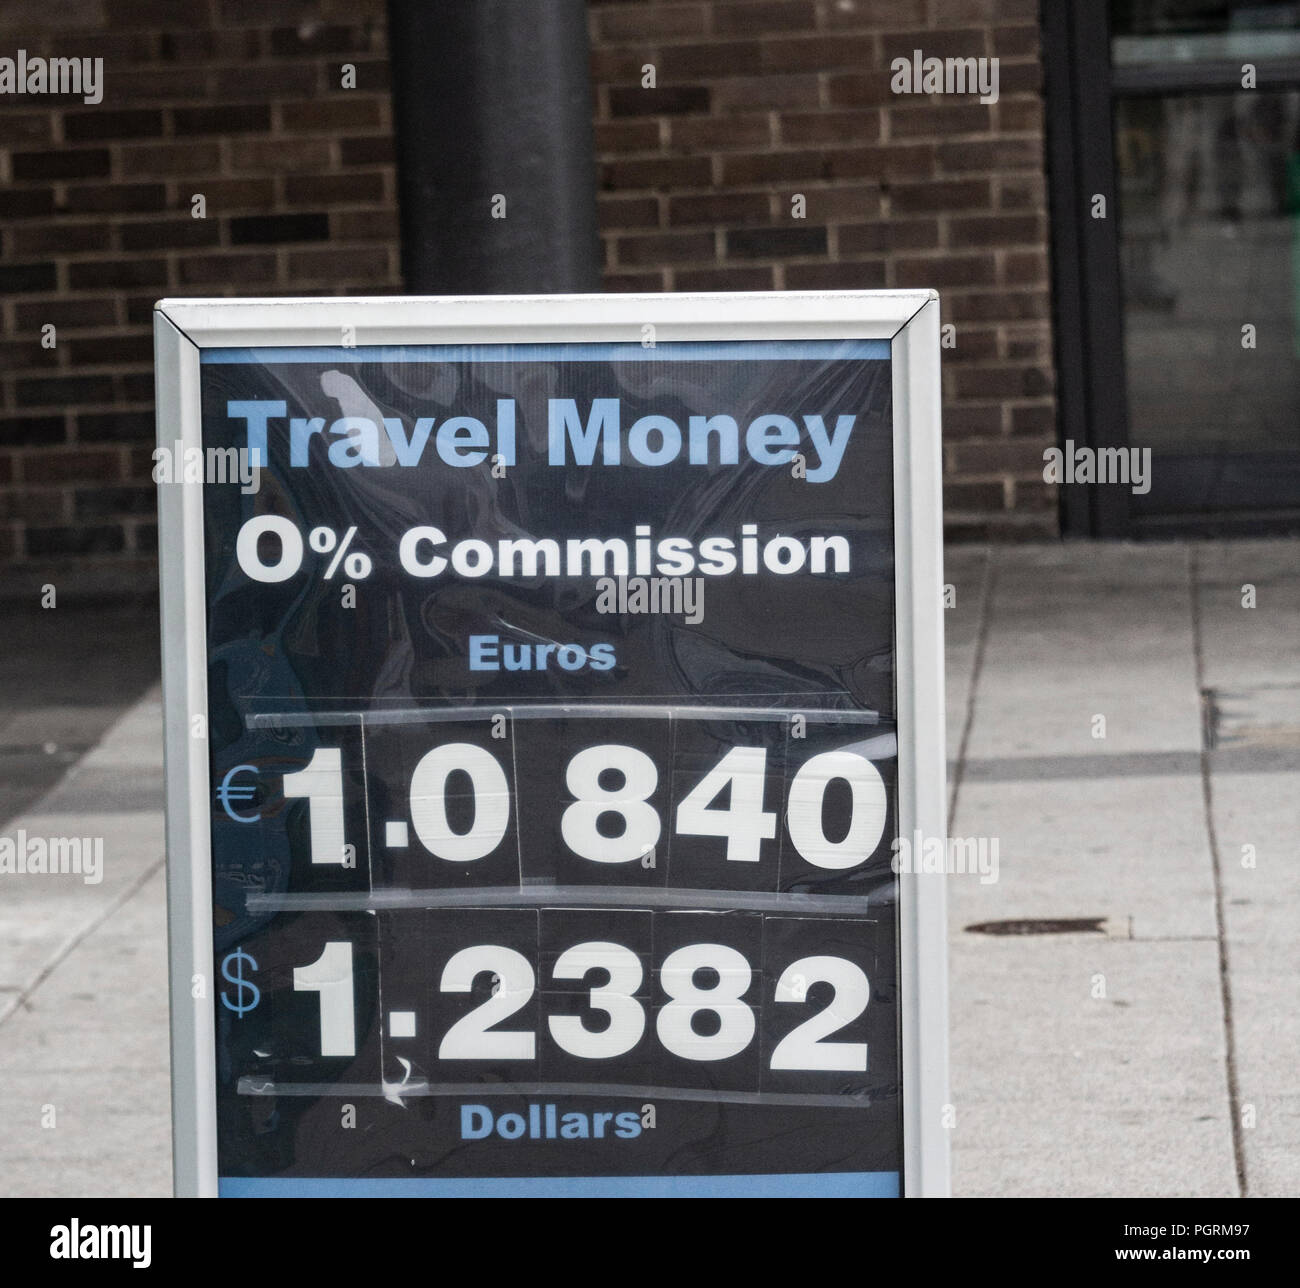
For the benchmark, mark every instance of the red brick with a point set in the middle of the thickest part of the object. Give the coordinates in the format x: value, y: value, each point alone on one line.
x: 720, y: 208
x: 281, y: 156
x: 780, y: 242
x: 996, y: 230
x: 1025, y: 268
x: 116, y: 197
x: 351, y: 188
x: 373, y: 149
x: 657, y: 172
x: 111, y: 350
x: 346, y: 110
x: 1034, y: 418
x: 968, y: 11
x: 130, y: 271
x: 1019, y: 78
x: 1020, y: 457
x: 973, y: 496
x: 173, y: 233
x: 364, y: 225
x: 744, y: 94
x: 26, y: 203
x: 339, y: 265
x: 963, y: 421
x: 973, y: 344
x: 233, y: 119
x: 997, y: 306
x: 764, y: 16
x: 628, y: 212
x: 619, y: 66
x: 874, y: 15
x: 887, y: 161
x: 632, y: 22
x: 921, y: 119
x: 1016, y: 42
x: 66, y: 313
x: 60, y: 238
x: 711, y: 59
x: 1001, y: 382
x: 730, y: 277
x: 692, y: 132
x: 941, y: 197
x: 234, y: 196
x: 1033, y: 347
x: 851, y: 275
x: 25, y: 128
x: 71, y: 465
x: 831, y: 127
x: 251, y: 267
x: 767, y: 167
x: 658, y: 100
x: 993, y: 154
x: 951, y: 42
x: 1029, y: 494
x: 627, y: 136
x: 818, y: 53
x: 941, y: 271
x: 1016, y: 114
x: 845, y: 202
x: 256, y: 84
x: 316, y: 38
x: 153, y: 159
x: 634, y: 283
x: 37, y: 506
x: 60, y: 163
x: 143, y: 85
x: 1022, y: 193
x: 664, y: 248
x: 890, y: 235
x: 861, y: 89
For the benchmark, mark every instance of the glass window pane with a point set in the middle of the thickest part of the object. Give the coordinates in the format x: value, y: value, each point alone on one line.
x: 1209, y: 197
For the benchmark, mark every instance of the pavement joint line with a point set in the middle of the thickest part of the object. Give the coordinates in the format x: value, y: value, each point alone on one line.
x: 79, y: 936
x: 987, y: 584
x: 1216, y: 863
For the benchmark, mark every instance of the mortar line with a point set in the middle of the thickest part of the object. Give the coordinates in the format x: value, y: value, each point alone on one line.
x: 76, y: 939
x: 977, y: 670
x: 1216, y: 863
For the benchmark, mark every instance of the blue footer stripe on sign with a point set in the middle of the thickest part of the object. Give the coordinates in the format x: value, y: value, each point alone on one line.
x: 819, y: 1185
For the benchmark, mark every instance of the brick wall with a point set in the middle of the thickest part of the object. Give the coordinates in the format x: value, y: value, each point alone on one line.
x: 755, y: 103
x: 239, y: 101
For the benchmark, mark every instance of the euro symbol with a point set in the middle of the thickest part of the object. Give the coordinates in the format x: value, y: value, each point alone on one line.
x: 227, y: 793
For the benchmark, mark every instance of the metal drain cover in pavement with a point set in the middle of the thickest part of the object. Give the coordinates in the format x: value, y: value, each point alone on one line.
x: 1042, y: 926
x: 1268, y: 716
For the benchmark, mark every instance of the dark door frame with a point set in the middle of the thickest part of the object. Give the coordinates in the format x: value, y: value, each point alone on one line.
x: 1092, y: 403
x: 1080, y: 84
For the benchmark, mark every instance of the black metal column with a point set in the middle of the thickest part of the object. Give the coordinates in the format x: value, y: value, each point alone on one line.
x: 495, y: 155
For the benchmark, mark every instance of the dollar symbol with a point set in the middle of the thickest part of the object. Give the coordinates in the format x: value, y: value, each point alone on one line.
x: 239, y: 1006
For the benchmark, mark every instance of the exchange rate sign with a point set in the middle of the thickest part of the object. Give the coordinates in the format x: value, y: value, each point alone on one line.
x: 548, y: 685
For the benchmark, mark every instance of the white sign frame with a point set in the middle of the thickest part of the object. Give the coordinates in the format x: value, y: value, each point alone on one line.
x: 909, y: 320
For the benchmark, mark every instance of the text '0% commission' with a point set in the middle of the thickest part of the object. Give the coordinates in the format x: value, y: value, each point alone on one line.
x: 270, y: 548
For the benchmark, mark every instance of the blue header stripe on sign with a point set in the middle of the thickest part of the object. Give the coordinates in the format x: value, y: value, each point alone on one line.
x: 823, y: 1185
x: 669, y: 351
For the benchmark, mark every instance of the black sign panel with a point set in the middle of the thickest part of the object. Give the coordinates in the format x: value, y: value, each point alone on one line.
x: 554, y: 756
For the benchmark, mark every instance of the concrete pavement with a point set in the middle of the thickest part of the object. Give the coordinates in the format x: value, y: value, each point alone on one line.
x: 1154, y: 1056
x: 1118, y: 718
